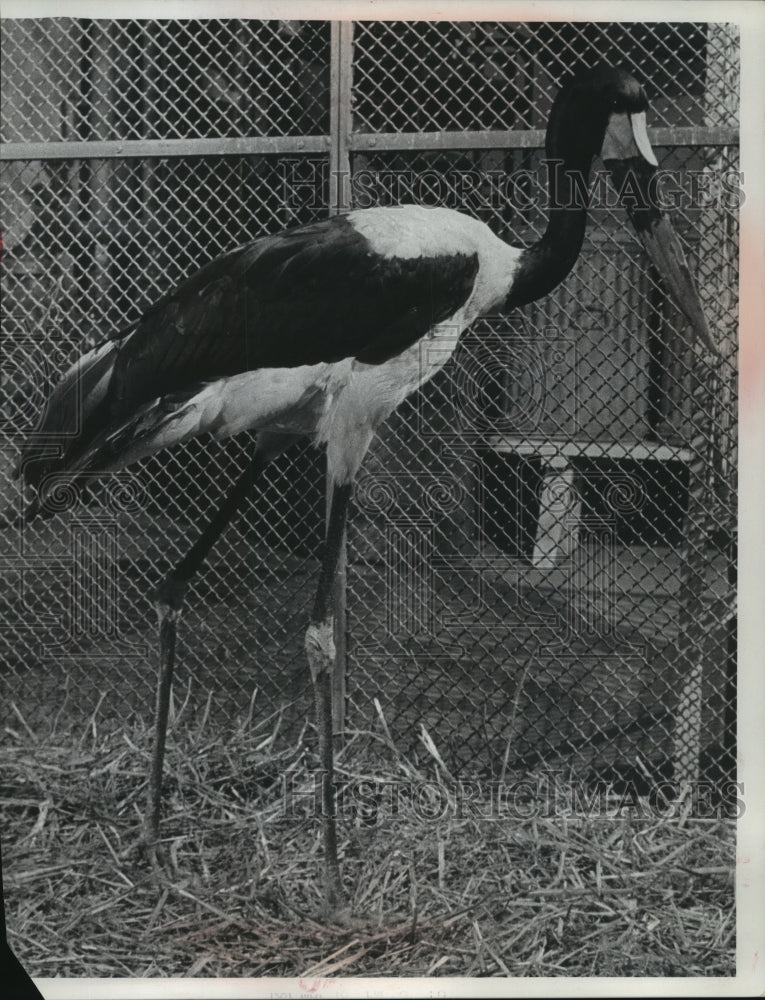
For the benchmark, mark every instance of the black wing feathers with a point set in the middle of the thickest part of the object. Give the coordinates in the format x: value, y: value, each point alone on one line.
x: 305, y: 296
x: 318, y: 293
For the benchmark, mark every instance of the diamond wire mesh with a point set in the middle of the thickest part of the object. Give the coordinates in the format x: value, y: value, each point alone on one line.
x: 451, y: 624
x: 420, y: 76
x: 89, y: 80
x: 105, y: 239
x: 573, y: 370
x: 464, y: 616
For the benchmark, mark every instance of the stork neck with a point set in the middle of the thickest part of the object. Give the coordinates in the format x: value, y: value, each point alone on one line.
x: 574, y: 135
x: 547, y: 262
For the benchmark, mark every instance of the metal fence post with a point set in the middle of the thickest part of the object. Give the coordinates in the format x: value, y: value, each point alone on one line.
x: 710, y: 491
x: 341, y: 49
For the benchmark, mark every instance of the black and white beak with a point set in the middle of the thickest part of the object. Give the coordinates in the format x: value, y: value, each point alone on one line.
x: 630, y: 160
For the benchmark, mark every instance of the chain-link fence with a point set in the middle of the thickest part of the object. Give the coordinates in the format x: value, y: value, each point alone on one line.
x: 540, y: 566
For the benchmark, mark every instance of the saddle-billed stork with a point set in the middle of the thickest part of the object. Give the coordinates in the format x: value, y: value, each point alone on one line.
x: 317, y: 331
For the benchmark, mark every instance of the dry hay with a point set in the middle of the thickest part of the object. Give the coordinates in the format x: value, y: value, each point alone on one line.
x: 435, y: 890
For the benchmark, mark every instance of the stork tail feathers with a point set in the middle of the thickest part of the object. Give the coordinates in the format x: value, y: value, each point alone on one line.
x: 160, y: 423
x: 76, y: 409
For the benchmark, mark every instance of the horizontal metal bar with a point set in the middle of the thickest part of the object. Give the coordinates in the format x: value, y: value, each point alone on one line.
x: 112, y: 148
x: 694, y: 135
x: 525, y: 139
x: 358, y: 141
x: 383, y: 141
x: 640, y: 451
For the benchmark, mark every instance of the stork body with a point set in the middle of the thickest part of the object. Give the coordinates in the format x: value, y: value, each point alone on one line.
x: 267, y: 338
x: 321, y: 332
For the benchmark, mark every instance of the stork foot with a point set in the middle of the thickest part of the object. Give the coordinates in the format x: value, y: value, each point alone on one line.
x: 155, y: 855
x: 169, y: 600
x: 320, y: 649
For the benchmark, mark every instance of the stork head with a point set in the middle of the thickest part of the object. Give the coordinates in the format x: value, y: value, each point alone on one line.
x: 595, y: 102
x: 603, y: 110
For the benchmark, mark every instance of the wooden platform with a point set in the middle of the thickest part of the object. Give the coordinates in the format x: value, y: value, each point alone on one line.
x: 557, y: 531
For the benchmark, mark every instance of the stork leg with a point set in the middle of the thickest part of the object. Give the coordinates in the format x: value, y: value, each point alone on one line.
x: 320, y: 649
x: 169, y: 598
